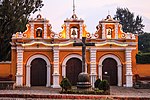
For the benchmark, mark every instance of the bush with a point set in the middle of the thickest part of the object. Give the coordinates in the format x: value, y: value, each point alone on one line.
x: 97, y: 92
x: 143, y: 58
x: 104, y: 85
x: 65, y: 84
x: 97, y: 82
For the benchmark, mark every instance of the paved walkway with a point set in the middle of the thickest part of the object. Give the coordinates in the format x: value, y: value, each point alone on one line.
x: 43, y: 92
x: 132, y: 92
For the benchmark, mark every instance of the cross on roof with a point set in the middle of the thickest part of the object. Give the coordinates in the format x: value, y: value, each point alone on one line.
x: 73, y: 7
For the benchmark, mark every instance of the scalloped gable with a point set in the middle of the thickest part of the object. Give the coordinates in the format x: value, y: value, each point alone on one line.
x: 111, y: 29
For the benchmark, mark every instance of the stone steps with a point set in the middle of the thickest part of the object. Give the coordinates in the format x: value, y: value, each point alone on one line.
x: 72, y: 96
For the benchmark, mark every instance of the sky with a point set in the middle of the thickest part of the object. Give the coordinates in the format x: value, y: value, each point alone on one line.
x: 91, y: 11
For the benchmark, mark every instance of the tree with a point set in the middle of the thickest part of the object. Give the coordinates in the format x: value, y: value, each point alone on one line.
x: 129, y: 23
x: 144, y: 43
x: 14, y: 15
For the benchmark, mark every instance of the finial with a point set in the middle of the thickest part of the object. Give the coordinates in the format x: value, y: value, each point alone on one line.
x: 108, y: 12
x: 73, y: 7
x: 39, y: 10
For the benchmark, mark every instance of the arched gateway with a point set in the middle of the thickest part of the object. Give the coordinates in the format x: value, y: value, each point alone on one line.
x: 110, y: 68
x: 109, y: 71
x: 73, y: 69
x: 72, y: 66
x: 38, y: 71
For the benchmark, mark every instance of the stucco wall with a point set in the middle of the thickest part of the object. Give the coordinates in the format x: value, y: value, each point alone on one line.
x: 143, y: 69
x: 5, y: 68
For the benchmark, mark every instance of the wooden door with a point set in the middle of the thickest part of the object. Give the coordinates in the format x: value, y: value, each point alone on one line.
x: 74, y: 67
x: 38, y: 72
x: 109, y: 71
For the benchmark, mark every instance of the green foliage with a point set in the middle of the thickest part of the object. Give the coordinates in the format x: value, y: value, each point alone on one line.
x: 93, y: 92
x: 128, y: 22
x: 65, y: 84
x: 14, y: 15
x: 144, y: 42
x: 143, y: 58
x: 97, y: 82
x: 104, y: 85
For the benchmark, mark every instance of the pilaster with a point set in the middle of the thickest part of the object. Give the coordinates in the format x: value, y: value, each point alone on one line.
x: 67, y: 31
x: 100, y: 71
x: 48, y: 75
x: 56, y: 68
x: 64, y: 71
x: 116, y: 31
x: 32, y: 31
x: 129, y: 81
x: 45, y: 30
x: 28, y: 75
x: 81, y: 30
x: 119, y: 75
x: 103, y: 31
x: 19, y: 74
x: 93, y: 66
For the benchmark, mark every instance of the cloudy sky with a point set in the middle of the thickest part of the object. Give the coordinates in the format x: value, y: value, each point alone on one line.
x: 92, y: 11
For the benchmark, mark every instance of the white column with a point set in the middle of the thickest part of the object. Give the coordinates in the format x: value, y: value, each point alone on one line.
x: 81, y: 31
x: 116, y: 31
x: 67, y: 31
x: 100, y: 72
x: 129, y: 81
x: 56, y: 68
x: 93, y: 73
x: 32, y: 31
x: 48, y: 75
x: 119, y: 75
x: 45, y: 30
x: 103, y: 31
x: 64, y: 71
x: 19, y: 74
x: 28, y: 67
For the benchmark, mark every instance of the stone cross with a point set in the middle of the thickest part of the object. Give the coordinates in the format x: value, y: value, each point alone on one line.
x: 83, y: 44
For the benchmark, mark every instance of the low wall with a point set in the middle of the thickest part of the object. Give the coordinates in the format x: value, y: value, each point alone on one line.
x: 143, y: 69
x: 5, y: 68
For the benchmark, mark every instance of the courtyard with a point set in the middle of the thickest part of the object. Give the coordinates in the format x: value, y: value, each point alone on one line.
x: 51, y: 93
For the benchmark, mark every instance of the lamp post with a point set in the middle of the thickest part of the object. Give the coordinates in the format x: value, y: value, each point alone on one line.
x: 83, y: 77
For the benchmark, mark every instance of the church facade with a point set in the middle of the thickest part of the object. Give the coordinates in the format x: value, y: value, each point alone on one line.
x: 41, y: 57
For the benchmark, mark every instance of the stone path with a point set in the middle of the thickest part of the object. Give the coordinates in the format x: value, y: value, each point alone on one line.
x: 130, y: 92
x: 42, y: 92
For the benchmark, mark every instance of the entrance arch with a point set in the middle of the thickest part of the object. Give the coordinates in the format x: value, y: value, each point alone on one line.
x: 38, y: 72
x: 109, y: 71
x: 119, y: 67
x: 73, y: 69
x: 28, y: 69
x: 65, y: 62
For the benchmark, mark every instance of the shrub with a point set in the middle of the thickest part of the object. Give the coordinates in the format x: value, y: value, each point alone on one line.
x: 97, y: 82
x: 143, y: 58
x: 104, y: 85
x: 65, y: 84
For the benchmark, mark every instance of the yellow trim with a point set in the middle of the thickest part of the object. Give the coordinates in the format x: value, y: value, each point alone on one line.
x: 46, y: 44
x: 123, y: 45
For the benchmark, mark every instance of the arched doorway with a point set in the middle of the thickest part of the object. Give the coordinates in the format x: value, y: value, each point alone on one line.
x: 38, y: 72
x: 28, y: 69
x: 109, y: 71
x: 73, y: 68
